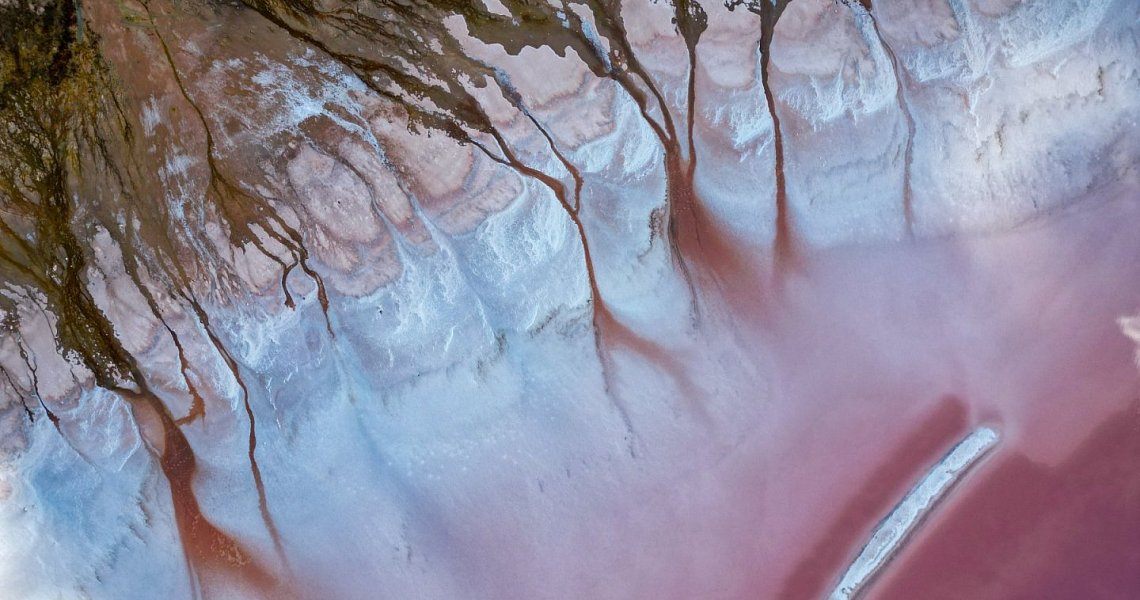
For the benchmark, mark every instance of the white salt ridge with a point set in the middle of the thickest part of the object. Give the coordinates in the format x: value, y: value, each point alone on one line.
x: 632, y: 143
x: 964, y: 60
x: 908, y: 514
x: 151, y: 116
x: 1131, y: 328
x: 743, y: 113
x: 1036, y: 30
x: 824, y: 101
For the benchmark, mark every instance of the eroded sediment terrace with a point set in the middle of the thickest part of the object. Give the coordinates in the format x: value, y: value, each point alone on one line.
x: 569, y: 300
